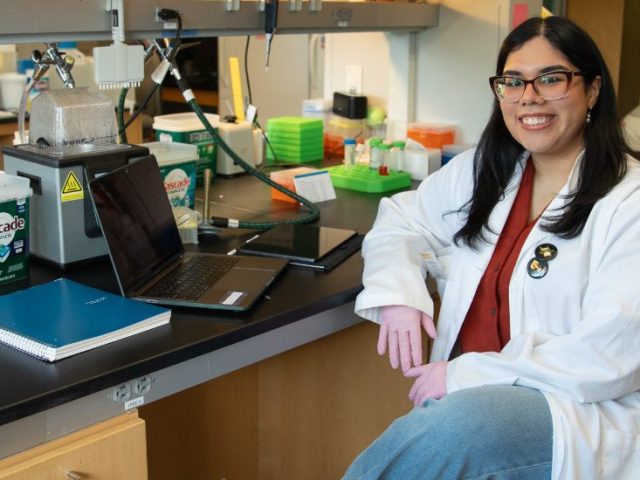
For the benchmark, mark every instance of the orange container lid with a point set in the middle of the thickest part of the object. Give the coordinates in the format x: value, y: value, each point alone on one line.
x: 431, y: 135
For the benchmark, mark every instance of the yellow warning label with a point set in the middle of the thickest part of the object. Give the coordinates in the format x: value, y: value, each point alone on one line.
x: 72, y: 189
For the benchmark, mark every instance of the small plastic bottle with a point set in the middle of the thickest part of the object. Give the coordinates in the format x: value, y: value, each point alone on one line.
x: 375, y: 153
x: 349, y: 151
x: 385, y: 151
x: 397, y: 155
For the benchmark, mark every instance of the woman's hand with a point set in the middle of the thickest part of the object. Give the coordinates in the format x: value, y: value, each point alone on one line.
x: 400, y: 330
x: 431, y: 382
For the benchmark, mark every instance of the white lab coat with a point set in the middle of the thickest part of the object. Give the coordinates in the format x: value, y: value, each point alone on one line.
x: 575, y: 333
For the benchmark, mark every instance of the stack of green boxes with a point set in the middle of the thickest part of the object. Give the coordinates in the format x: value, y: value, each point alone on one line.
x: 295, y: 139
x: 187, y: 128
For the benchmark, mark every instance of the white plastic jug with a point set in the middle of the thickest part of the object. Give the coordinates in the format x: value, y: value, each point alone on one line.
x: 12, y: 85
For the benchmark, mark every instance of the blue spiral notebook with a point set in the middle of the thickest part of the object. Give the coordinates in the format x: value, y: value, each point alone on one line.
x: 61, y: 318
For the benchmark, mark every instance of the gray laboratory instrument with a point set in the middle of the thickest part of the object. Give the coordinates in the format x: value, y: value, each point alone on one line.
x: 63, y: 227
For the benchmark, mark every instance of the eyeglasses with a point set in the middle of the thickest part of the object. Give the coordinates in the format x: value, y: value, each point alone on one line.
x: 550, y: 85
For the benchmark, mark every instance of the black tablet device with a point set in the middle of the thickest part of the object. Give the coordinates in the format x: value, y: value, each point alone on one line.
x: 305, y: 243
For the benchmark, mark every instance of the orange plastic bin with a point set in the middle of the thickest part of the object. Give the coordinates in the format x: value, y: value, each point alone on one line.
x: 431, y: 135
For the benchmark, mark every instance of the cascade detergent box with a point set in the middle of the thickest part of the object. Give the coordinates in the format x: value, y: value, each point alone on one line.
x: 177, y: 163
x: 14, y: 228
x: 187, y: 128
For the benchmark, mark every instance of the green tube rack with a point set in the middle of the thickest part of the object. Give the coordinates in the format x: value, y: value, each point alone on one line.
x: 364, y: 179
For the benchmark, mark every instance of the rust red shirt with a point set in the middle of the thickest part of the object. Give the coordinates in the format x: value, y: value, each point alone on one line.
x: 486, y: 326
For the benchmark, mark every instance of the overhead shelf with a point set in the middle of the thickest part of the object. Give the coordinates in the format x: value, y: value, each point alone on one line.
x: 337, y: 17
x: 29, y: 21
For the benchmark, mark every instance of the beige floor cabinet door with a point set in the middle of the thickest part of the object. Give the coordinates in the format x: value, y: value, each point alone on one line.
x: 113, y: 449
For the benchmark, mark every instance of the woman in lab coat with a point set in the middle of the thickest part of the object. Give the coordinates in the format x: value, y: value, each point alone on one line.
x: 534, y: 241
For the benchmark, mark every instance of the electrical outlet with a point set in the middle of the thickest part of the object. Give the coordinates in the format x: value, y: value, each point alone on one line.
x: 157, y: 17
x: 122, y: 392
x: 142, y: 385
x: 342, y: 15
x: 353, y: 79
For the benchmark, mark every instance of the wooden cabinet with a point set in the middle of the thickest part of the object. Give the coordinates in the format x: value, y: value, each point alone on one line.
x: 615, y: 27
x: 303, y: 414
x: 113, y: 449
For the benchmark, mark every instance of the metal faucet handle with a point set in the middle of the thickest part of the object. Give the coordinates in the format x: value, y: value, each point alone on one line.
x: 52, y: 56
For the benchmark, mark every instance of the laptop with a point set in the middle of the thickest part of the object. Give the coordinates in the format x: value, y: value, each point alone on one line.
x: 146, y: 251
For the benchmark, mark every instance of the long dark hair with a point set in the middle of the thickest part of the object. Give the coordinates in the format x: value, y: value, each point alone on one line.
x: 604, y: 161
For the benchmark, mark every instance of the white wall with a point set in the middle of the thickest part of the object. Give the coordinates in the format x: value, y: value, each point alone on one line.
x: 280, y: 89
x: 451, y: 64
x: 368, y: 50
x: 454, y: 61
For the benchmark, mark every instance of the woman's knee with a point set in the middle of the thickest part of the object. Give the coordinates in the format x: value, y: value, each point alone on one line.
x: 500, y: 411
x: 467, y: 433
x: 491, y: 419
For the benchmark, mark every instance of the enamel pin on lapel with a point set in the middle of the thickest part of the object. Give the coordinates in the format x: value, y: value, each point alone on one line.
x: 538, y: 266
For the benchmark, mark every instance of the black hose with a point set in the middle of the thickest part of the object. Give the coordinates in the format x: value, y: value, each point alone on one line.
x: 312, y: 216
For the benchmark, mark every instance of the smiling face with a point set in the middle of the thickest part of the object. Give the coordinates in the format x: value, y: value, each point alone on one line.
x: 549, y: 129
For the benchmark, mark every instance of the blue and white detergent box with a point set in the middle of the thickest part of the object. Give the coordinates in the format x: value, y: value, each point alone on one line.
x: 14, y: 227
x: 177, y: 163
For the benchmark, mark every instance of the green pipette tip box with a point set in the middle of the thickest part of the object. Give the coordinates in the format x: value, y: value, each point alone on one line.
x: 294, y: 124
x: 364, y: 179
x: 295, y: 139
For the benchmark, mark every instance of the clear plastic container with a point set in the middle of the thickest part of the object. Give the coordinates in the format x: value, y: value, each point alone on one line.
x: 375, y: 156
x: 72, y: 115
x: 347, y: 127
x: 340, y: 128
x: 385, y: 148
x: 385, y: 154
x: 187, y: 221
x: 377, y: 129
x: 317, y: 108
x: 396, y: 158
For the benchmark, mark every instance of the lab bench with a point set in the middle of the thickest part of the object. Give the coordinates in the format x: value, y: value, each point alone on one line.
x: 293, y: 388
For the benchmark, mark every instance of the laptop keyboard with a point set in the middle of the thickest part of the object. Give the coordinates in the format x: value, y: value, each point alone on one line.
x: 191, y: 279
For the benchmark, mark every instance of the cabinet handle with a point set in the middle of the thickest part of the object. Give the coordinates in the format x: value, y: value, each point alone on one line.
x: 71, y: 475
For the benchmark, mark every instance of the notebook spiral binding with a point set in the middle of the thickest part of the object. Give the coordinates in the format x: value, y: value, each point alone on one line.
x: 25, y: 344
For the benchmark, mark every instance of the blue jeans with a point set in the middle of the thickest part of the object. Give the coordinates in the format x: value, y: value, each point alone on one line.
x: 491, y: 432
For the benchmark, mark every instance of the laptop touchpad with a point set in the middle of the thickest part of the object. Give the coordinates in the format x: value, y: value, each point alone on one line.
x: 245, y: 280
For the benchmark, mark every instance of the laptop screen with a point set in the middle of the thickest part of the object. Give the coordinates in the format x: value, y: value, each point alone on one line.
x: 137, y: 221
